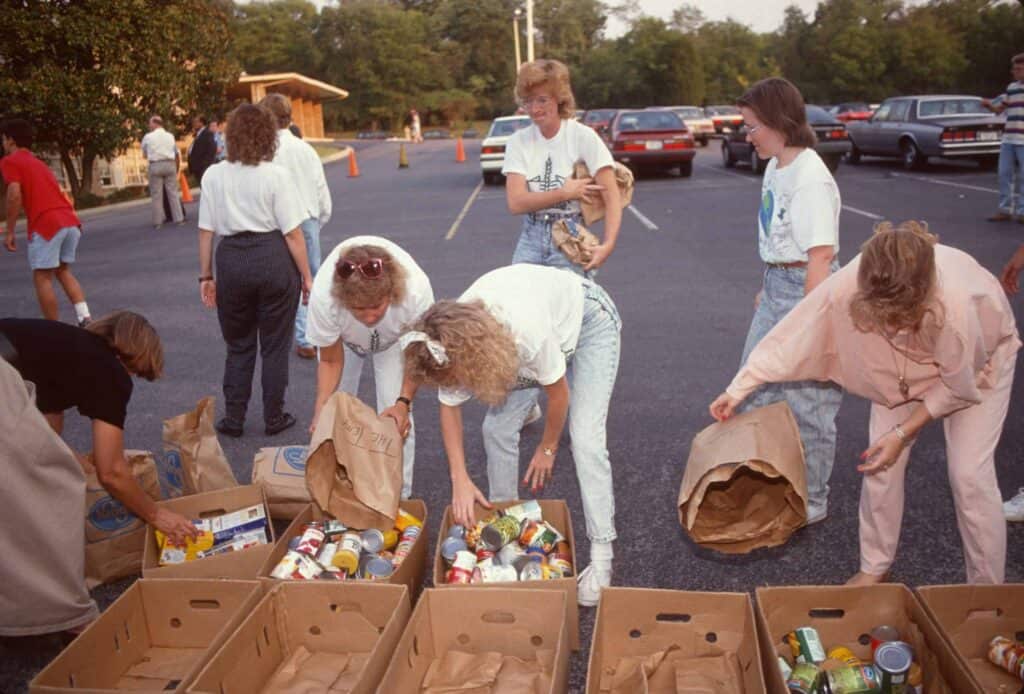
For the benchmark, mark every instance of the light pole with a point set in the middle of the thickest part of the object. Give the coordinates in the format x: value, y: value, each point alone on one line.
x: 529, y: 30
x: 515, y: 32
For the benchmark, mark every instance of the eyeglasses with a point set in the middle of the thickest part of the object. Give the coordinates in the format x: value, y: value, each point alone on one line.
x: 541, y: 101
x: 753, y: 129
x: 371, y: 269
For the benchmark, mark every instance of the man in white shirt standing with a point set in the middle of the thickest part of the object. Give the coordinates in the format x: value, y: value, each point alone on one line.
x: 303, y: 163
x: 160, y: 150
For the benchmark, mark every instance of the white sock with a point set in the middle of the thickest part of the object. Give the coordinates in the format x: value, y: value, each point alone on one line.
x: 82, y: 310
x: 601, y: 555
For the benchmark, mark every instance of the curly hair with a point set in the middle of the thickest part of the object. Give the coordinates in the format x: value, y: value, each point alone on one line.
x: 360, y: 292
x: 551, y: 74
x: 780, y: 106
x: 482, y: 356
x: 896, y: 279
x: 134, y: 340
x: 251, y: 135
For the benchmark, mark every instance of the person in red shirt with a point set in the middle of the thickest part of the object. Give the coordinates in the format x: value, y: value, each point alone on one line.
x: 53, y: 226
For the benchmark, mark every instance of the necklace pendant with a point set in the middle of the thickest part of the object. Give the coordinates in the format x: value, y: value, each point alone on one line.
x: 904, y: 388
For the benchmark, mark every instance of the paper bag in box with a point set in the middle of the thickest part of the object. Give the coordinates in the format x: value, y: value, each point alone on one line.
x: 745, y: 484
x: 191, y: 447
x: 354, y: 468
x: 282, y: 472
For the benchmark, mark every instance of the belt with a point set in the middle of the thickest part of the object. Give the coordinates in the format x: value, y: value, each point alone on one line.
x: 548, y: 217
x: 788, y: 266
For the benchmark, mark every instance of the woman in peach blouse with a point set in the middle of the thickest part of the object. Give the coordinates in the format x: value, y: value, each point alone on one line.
x: 924, y: 332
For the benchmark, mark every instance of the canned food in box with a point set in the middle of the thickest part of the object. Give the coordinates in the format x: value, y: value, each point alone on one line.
x: 311, y: 540
x: 806, y: 646
x: 373, y: 540
x: 450, y: 546
x: 346, y: 557
x: 500, y: 533
x: 288, y: 565
x: 892, y: 663
x: 406, y: 520
x: 527, y: 510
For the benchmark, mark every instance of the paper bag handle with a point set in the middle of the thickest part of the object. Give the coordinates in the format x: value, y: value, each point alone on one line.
x: 826, y: 613
x: 673, y: 617
x: 204, y: 604
x: 983, y: 612
x: 498, y: 617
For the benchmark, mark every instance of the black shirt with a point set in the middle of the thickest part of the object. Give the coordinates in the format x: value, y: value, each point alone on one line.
x: 70, y: 367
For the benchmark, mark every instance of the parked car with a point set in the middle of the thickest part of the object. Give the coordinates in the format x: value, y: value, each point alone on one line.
x: 492, y: 149
x: 725, y: 118
x: 701, y: 127
x: 599, y: 118
x: 852, y: 110
x: 917, y: 127
x: 651, y: 139
x: 833, y: 142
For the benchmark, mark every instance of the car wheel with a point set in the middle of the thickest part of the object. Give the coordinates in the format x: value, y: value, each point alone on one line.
x: 686, y: 169
x: 832, y: 162
x: 727, y: 159
x: 756, y: 163
x: 912, y: 157
x: 853, y: 156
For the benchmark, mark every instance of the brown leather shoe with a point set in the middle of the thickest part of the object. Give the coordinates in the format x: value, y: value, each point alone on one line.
x: 999, y: 217
x: 306, y: 352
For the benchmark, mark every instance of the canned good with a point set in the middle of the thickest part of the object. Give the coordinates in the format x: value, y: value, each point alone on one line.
x: 509, y: 553
x: 892, y: 663
x: 845, y: 655
x: 306, y: 568
x: 458, y: 575
x: 373, y: 540
x: 806, y: 646
x: 491, y: 572
x: 377, y: 568
x: 483, y: 553
x: 465, y: 560
x: 540, y: 535
x: 457, y: 531
x: 346, y: 557
x: 881, y: 634
x: 311, y: 540
x: 334, y: 529
x: 531, y: 570
x: 551, y: 573
x: 785, y: 668
x: 473, y: 534
x: 293, y: 543
x: 563, y: 567
x: 326, y: 555
x: 334, y: 575
x: 500, y: 533
x: 527, y: 510
x: 849, y: 680
x: 450, y: 546
x: 391, y: 538
x: 1007, y: 654
x: 406, y: 520
x: 288, y: 565
x: 802, y: 679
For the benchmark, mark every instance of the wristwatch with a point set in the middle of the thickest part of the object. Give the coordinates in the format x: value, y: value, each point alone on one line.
x: 550, y: 451
x: 407, y: 401
x: 207, y: 278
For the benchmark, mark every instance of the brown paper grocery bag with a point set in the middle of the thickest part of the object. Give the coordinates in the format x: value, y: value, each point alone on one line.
x: 282, y: 472
x: 594, y: 211
x: 354, y: 468
x: 192, y: 450
x: 745, y: 484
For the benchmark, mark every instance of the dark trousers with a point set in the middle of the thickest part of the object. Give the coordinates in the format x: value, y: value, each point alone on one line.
x: 257, y: 290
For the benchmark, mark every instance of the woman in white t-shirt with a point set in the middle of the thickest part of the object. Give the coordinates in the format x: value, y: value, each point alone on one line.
x: 517, y: 329
x: 365, y: 293
x: 538, y: 167
x: 253, y: 206
x: 798, y: 237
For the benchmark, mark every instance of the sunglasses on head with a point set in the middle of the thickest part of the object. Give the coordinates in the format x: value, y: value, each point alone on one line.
x: 371, y: 269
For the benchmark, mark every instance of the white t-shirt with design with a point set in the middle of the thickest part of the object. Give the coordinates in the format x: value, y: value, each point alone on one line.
x: 799, y: 210
x: 547, y: 164
x: 542, y: 307
x: 328, y: 320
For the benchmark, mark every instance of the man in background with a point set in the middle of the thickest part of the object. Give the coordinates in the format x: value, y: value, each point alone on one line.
x: 161, y: 151
x: 202, y: 153
x: 1011, y: 152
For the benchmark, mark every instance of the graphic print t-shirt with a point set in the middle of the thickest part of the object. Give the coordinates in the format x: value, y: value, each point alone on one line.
x: 799, y: 209
x: 547, y: 164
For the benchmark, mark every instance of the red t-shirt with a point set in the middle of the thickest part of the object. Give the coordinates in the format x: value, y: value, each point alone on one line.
x: 47, y: 209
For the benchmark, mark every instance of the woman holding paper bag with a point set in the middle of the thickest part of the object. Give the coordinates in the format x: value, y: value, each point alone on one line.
x: 924, y: 332
x: 511, y: 332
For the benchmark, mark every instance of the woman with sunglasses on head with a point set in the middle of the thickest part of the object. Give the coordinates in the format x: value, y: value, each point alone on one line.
x: 253, y: 206
x: 367, y: 290
x: 512, y: 332
x: 924, y: 333
x: 798, y: 238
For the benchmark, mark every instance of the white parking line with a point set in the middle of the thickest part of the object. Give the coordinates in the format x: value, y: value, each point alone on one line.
x: 869, y: 215
x: 746, y: 177
x: 940, y: 182
x: 651, y: 226
x: 462, y: 215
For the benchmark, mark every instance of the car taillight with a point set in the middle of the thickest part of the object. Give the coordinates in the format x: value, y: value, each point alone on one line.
x: 631, y: 146
x: 493, y: 149
x: 959, y: 136
x: 684, y: 142
x: 837, y: 134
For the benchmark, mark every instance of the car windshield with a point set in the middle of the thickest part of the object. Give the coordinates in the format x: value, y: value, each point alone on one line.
x: 950, y: 107
x: 598, y: 116
x: 504, y: 128
x: 689, y: 112
x: 722, y: 111
x: 817, y: 115
x: 649, y: 120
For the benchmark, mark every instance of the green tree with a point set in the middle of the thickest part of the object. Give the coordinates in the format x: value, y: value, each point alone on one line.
x: 568, y: 29
x: 734, y: 57
x: 667, y: 66
x: 687, y: 18
x: 88, y: 74
x: 278, y: 36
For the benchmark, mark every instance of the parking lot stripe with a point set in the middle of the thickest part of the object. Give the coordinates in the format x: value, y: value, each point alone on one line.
x: 869, y: 215
x: 651, y: 226
x: 940, y: 182
x: 465, y: 209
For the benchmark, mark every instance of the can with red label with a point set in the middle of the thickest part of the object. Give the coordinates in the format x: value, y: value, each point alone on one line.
x: 307, y: 568
x: 288, y: 565
x: 311, y: 540
x: 405, y: 544
x: 462, y: 568
x: 483, y: 553
x: 881, y: 634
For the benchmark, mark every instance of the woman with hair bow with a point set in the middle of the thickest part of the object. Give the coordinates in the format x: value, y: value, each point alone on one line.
x: 367, y: 290
x: 516, y: 329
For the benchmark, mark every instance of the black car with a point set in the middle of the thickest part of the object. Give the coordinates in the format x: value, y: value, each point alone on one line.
x: 833, y: 142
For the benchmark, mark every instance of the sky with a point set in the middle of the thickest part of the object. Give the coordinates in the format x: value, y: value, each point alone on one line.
x: 760, y: 15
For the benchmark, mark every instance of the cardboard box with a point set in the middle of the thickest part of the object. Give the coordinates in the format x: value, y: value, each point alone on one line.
x: 555, y: 512
x: 282, y: 472
x: 411, y: 571
x: 328, y: 620
x: 844, y: 616
x: 155, y: 637
x: 968, y: 618
x: 244, y: 564
x: 511, y: 622
x: 638, y: 622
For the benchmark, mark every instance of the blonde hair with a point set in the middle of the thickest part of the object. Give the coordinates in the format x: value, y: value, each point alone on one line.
x: 551, y: 74
x: 360, y: 292
x: 896, y: 279
x: 134, y: 340
x: 482, y: 356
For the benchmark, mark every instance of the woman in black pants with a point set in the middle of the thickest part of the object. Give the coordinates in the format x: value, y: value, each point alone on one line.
x: 253, y: 206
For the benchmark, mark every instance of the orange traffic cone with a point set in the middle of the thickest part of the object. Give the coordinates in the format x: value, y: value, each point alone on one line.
x: 460, y: 151
x: 353, y: 165
x: 186, y: 192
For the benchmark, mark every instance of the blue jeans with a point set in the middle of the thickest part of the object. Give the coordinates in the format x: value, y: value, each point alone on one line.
x: 814, y: 404
x: 535, y: 246
x: 591, y: 374
x: 310, y: 232
x: 1011, y: 161
x: 59, y: 250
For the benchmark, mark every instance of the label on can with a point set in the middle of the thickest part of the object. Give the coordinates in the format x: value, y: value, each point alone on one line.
x: 391, y: 538
x: 802, y: 678
x: 500, y: 533
x: 892, y: 663
x: 497, y: 573
x: 806, y: 646
x: 288, y: 565
x: 307, y: 568
x: 327, y: 552
x: 851, y: 680
x: 532, y: 571
x: 845, y: 656
x: 509, y: 553
x: 311, y: 540
x: 539, y: 535
x: 406, y: 519
x: 561, y: 565
x: 527, y: 510
x: 346, y: 556
x: 457, y: 574
x: 465, y: 560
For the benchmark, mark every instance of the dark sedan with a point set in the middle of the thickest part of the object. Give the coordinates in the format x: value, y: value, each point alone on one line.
x: 656, y: 139
x: 832, y: 144
x: 914, y: 128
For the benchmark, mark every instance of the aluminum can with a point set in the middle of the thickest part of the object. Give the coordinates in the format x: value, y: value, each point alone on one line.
x: 377, y: 568
x: 1007, y: 654
x: 311, y: 540
x: 458, y: 575
x: 327, y: 552
x: 458, y: 531
x: 373, y: 540
x: 288, y: 565
x: 892, y: 663
x: 881, y: 634
x: 307, y: 568
x: 499, y: 533
x: 527, y: 510
x: 849, y: 680
x: 346, y: 557
x: 450, y: 546
x: 802, y: 679
x: 509, y: 553
x: 806, y: 646
x: 473, y: 534
x: 406, y: 520
x: 845, y: 656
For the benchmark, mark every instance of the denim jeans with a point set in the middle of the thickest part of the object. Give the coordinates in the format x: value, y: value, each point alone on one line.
x: 814, y: 404
x: 311, y: 233
x: 591, y: 374
x: 1011, y: 163
x: 535, y: 246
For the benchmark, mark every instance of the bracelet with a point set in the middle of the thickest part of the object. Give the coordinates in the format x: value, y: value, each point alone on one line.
x: 406, y: 401
x: 550, y: 451
x: 207, y: 278
x: 900, y: 434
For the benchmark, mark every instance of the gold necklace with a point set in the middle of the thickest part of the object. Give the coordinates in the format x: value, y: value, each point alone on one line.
x: 901, y: 377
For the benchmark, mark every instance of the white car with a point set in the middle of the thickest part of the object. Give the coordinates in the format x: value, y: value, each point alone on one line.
x: 492, y: 150
x: 701, y: 127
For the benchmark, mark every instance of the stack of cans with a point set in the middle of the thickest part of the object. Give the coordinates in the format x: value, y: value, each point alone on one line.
x: 328, y: 550
x: 516, y: 544
x: 892, y: 669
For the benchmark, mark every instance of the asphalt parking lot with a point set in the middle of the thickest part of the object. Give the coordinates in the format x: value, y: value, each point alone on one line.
x: 683, y: 275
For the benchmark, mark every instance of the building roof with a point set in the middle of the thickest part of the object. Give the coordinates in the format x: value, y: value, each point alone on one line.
x: 293, y: 84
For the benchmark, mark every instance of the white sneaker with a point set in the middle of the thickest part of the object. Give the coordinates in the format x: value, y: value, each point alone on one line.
x: 1014, y: 508
x: 535, y: 415
x: 589, y: 585
x: 816, y: 514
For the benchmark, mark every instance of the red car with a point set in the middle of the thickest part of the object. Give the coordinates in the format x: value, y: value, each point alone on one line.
x: 656, y: 139
x: 598, y: 118
x: 853, y: 110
